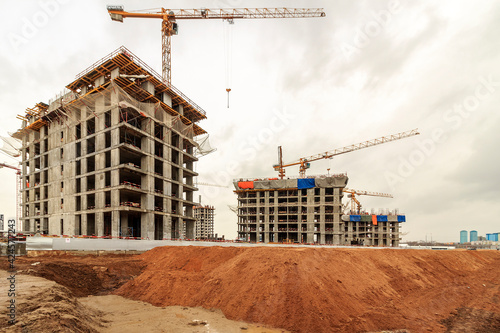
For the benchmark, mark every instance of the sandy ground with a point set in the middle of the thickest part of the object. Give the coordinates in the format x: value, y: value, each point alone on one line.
x: 110, y: 314
x: 124, y: 315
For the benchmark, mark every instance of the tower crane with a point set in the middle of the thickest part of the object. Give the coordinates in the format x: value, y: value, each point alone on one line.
x: 354, y: 201
x: 169, y: 19
x: 304, y: 162
x: 18, y: 190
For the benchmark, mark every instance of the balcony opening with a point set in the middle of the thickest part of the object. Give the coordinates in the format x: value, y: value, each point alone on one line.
x: 91, y: 145
x: 91, y: 126
x: 78, y: 149
x: 78, y: 131
x: 107, y: 157
x: 91, y: 229
x: 91, y: 183
x: 107, y: 179
x: 107, y: 119
x: 90, y: 163
x: 91, y: 201
x: 159, y: 131
x: 107, y: 224
x: 107, y: 199
x: 107, y: 139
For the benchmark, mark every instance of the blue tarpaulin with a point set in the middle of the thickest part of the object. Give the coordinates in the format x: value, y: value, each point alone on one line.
x: 355, y: 218
x: 305, y: 183
x: 401, y: 218
x: 381, y: 218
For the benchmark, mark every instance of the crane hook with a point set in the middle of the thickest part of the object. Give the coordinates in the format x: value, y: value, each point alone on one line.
x: 228, y: 90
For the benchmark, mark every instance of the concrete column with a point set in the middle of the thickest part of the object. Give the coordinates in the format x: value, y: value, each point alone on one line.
x: 266, y: 216
x: 115, y: 73
x: 167, y: 226
x: 84, y: 220
x: 147, y: 225
x: 115, y: 223
x: 69, y: 224
x: 350, y: 232
x: 54, y: 225
x: 99, y: 81
x: 310, y: 215
x: 180, y: 109
x: 337, y: 224
x: 84, y: 201
x: 149, y: 87
x: 100, y: 198
x: 83, y: 128
x: 167, y: 99
x: 124, y: 222
x: 322, y: 218
x: 257, y: 217
x: 77, y: 223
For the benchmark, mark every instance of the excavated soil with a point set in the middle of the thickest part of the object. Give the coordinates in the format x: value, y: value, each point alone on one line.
x: 328, y: 290
x: 82, y: 275
x: 297, y: 289
x: 45, y: 306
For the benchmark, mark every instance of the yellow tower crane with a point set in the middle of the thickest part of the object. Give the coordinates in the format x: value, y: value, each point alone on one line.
x: 355, y: 202
x: 304, y: 162
x: 169, y: 19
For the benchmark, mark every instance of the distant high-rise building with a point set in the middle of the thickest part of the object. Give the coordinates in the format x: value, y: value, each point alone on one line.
x: 204, y: 226
x: 1, y: 222
x: 473, y: 235
x: 463, y: 236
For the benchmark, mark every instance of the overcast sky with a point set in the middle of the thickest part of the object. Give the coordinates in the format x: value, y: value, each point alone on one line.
x: 367, y: 69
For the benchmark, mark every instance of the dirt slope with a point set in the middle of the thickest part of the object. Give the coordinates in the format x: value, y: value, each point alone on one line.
x: 328, y: 290
x: 45, y: 306
x: 82, y: 275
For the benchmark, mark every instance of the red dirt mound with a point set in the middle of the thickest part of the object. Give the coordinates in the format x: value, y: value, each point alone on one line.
x: 325, y: 290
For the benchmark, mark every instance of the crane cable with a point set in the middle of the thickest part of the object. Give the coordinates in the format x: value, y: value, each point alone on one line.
x: 228, y: 56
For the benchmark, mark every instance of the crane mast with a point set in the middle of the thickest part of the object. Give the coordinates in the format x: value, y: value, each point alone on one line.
x: 170, y: 16
x: 304, y: 162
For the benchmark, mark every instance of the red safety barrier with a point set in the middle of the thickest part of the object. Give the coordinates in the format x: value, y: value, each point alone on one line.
x: 245, y: 185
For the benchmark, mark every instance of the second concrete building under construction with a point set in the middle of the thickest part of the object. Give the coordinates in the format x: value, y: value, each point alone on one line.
x: 309, y: 210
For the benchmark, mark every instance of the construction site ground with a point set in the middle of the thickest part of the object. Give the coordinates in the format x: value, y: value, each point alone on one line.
x: 258, y: 289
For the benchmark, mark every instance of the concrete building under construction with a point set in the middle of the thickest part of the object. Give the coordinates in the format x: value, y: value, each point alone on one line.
x: 204, y: 227
x: 309, y: 210
x: 113, y: 156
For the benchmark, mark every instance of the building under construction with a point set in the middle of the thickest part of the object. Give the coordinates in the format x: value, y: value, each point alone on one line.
x: 113, y: 156
x: 309, y: 210
x: 204, y: 227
